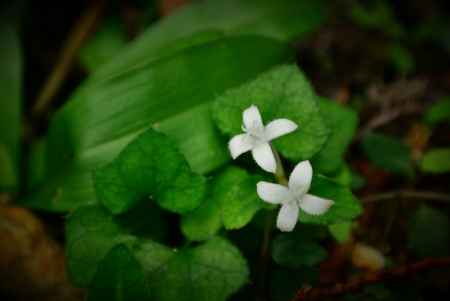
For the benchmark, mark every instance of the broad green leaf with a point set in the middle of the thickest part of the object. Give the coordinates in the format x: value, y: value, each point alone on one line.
x: 282, y: 20
x: 118, y: 277
x: 438, y: 112
x: 342, y: 123
x: 211, y: 271
x: 10, y: 106
x: 232, y: 203
x: 436, y: 160
x: 109, y: 40
x: 100, y: 120
x: 295, y: 249
x: 429, y: 232
x: 149, y: 167
x: 282, y: 92
x: 341, y: 231
x: 388, y: 153
x: 345, y: 208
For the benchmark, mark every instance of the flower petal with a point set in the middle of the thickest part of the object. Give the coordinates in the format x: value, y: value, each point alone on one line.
x: 239, y: 144
x: 279, y: 127
x: 315, y: 205
x: 252, y: 118
x: 272, y: 193
x: 287, y: 217
x: 264, y: 157
x: 301, y: 176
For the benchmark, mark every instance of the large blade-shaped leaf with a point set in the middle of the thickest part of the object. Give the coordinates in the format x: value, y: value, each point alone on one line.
x: 10, y: 106
x: 101, y: 119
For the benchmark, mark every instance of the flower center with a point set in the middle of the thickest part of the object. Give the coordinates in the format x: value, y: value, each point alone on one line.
x: 256, y: 132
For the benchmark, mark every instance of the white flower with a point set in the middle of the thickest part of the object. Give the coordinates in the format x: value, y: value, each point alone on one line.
x: 256, y: 138
x: 293, y: 197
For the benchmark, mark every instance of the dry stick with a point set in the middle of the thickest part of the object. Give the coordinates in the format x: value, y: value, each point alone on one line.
x: 408, y: 194
x: 78, y: 35
x: 359, y: 282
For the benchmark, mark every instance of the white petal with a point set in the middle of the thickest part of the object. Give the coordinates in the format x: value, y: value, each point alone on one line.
x: 252, y: 118
x: 239, y: 144
x: 300, y: 178
x: 315, y: 205
x: 279, y: 127
x: 272, y: 193
x: 287, y: 217
x: 264, y: 157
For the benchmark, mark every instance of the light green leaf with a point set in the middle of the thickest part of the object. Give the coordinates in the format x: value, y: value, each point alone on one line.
x: 10, y: 106
x: 100, y: 120
x: 429, y: 232
x: 436, y: 160
x: 119, y: 277
x: 438, y: 112
x: 282, y: 92
x: 211, y: 271
x: 232, y: 203
x: 109, y: 40
x: 388, y: 153
x: 342, y: 122
x: 345, y: 208
x: 149, y: 167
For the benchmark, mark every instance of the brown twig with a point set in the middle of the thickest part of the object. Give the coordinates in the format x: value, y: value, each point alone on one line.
x: 359, y: 282
x: 78, y: 35
x: 408, y: 194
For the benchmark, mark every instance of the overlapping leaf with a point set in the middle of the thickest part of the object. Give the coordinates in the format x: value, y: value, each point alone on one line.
x: 282, y: 92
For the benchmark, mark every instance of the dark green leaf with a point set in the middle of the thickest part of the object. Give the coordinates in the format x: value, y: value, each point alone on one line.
x: 282, y: 92
x: 436, y: 160
x: 10, y: 106
x: 119, y: 277
x: 429, y: 232
x: 211, y: 271
x: 285, y: 283
x: 341, y: 231
x: 232, y: 203
x: 342, y: 123
x: 438, y: 112
x: 388, y: 153
x: 149, y: 167
x: 345, y: 208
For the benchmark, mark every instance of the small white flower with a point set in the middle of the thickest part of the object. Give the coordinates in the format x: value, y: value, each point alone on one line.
x: 256, y: 138
x: 293, y: 197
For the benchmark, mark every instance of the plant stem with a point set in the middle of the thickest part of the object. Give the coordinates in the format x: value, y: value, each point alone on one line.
x: 408, y: 194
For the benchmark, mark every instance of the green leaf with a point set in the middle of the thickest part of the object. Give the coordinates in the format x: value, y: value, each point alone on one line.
x: 345, y: 208
x: 211, y: 271
x: 341, y: 231
x: 103, y: 45
x: 436, y: 160
x: 388, y: 153
x: 294, y: 249
x: 10, y: 104
x: 438, y: 112
x: 282, y: 20
x: 232, y: 203
x: 118, y: 277
x: 342, y: 122
x: 284, y: 283
x: 429, y: 233
x: 282, y: 92
x: 149, y: 167
x: 100, y: 120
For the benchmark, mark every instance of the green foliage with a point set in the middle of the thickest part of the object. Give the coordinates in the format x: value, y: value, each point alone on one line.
x: 345, y: 208
x: 388, y: 153
x: 282, y: 92
x: 211, y: 271
x: 118, y: 277
x: 342, y: 122
x: 341, y: 231
x: 298, y: 248
x: 103, y: 45
x: 429, y: 232
x: 10, y: 106
x: 438, y: 112
x: 284, y: 283
x: 150, y: 166
x: 436, y: 160
x: 402, y: 59
x: 232, y: 203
